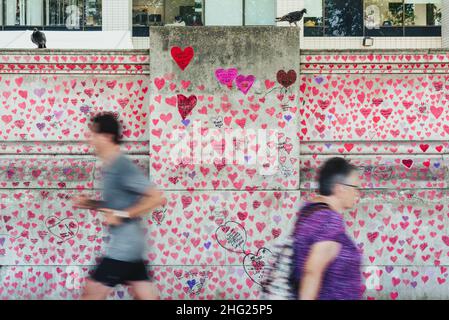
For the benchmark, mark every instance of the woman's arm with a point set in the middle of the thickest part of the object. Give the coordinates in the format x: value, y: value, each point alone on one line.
x: 321, y: 255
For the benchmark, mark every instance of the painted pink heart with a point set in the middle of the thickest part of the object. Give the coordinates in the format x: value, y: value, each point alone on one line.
x: 226, y: 76
x: 244, y: 83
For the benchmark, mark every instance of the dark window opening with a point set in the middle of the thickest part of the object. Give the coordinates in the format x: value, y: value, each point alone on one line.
x: 67, y: 15
x: 376, y: 18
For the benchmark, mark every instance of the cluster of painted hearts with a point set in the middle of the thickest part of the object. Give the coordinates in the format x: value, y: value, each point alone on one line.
x: 351, y: 107
x: 385, y: 171
x: 401, y: 235
x: 357, y: 68
x: 375, y: 64
x: 240, y: 112
x: 403, y: 231
x: 401, y: 228
x: 60, y: 147
x: 42, y: 227
x: 386, y: 147
x: 57, y: 172
x: 74, y: 64
x: 377, y: 58
x: 61, y: 58
x: 385, y: 282
x: 198, y: 283
x: 59, y: 107
x: 74, y: 68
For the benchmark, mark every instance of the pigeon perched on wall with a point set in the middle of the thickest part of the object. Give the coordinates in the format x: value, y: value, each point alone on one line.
x: 293, y: 17
x: 39, y: 39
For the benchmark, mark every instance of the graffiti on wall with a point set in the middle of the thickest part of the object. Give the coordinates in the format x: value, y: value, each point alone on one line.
x: 213, y: 237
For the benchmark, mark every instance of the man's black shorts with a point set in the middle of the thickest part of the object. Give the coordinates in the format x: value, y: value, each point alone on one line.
x: 112, y: 272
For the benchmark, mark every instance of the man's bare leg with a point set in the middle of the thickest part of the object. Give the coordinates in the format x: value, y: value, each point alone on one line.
x: 144, y: 290
x: 95, y: 291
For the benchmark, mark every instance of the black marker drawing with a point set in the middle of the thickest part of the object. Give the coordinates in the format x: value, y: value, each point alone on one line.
x: 231, y: 236
x: 158, y: 216
x: 64, y: 229
x: 255, y: 264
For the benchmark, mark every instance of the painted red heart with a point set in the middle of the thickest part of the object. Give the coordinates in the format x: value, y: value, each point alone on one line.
x: 186, y: 105
x: 407, y: 162
x: 286, y: 79
x: 182, y: 57
x: 446, y: 240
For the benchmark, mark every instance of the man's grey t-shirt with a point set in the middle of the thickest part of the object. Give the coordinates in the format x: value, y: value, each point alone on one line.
x: 123, y: 186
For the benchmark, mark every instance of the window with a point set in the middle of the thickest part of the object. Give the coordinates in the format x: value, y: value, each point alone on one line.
x: 383, y: 18
x: 165, y: 12
x: 260, y: 12
x: 313, y: 20
x: 23, y: 12
x: 92, y: 13
x: 240, y: 12
x: 146, y: 13
x: 50, y: 14
x: 201, y: 12
x: 224, y: 13
x: 422, y: 17
x: 343, y: 18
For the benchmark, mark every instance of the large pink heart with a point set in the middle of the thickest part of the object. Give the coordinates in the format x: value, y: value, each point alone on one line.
x: 244, y: 83
x: 226, y: 76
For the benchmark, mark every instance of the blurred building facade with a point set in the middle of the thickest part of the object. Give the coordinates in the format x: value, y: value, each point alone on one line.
x: 328, y: 24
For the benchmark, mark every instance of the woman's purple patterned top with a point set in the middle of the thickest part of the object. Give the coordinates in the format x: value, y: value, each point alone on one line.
x: 342, y: 280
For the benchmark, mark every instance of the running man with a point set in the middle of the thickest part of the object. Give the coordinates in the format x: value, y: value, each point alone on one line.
x: 127, y: 196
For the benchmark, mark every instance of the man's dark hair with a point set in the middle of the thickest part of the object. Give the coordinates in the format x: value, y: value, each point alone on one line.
x: 334, y: 171
x: 107, y: 123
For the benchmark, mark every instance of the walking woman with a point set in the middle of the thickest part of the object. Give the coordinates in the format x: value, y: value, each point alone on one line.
x: 326, y: 261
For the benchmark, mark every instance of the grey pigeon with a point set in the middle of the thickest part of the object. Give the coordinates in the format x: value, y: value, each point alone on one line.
x: 293, y: 17
x: 39, y: 39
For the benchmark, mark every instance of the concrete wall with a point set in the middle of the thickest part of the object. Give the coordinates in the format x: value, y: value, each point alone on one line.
x: 237, y: 192
x: 445, y: 24
x: 47, y: 98
x: 45, y: 162
x: 386, y: 111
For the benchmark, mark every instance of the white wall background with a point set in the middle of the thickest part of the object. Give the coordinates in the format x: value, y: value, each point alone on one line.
x: 224, y: 13
x: 117, y: 15
x: 115, y: 19
x: 445, y: 24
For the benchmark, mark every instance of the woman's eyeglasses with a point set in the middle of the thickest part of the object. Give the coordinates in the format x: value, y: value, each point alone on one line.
x: 350, y: 185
